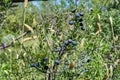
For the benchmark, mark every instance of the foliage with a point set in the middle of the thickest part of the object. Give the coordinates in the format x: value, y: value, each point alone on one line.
x: 60, y: 44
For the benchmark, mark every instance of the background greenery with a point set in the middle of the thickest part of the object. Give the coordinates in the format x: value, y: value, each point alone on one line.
x: 50, y: 20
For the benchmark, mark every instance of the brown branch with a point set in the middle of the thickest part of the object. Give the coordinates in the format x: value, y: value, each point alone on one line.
x: 28, y: 0
x: 20, y: 36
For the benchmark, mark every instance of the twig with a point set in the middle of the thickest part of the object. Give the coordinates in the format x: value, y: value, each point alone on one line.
x: 20, y: 36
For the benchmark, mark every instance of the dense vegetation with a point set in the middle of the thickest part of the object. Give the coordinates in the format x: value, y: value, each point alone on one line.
x: 60, y: 40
